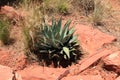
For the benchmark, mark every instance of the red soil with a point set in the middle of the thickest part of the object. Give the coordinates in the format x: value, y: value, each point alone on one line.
x: 93, y: 66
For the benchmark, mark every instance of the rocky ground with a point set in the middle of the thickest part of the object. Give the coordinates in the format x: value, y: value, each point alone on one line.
x: 100, y: 45
x: 102, y: 62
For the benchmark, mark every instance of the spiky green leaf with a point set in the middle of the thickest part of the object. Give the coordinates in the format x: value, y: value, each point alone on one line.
x: 67, y: 51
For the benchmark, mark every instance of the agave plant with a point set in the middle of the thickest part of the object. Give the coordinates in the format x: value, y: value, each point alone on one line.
x: 57, y: 42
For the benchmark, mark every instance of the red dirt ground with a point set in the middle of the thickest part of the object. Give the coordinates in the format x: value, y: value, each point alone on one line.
x: 98, y: 44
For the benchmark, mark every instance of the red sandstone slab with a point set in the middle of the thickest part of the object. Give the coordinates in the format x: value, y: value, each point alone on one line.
x: 118, y: 78
x: 113, y: 61
x: 90, y: 60
x: 93, y: 59
x: 6, y: 73
x: 92, y: 39
x: 40, y: 73
x: 84, y: 77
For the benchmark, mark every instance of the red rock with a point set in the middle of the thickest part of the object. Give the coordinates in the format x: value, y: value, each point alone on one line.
x: 40, y: 73
x: 91, y: 77
x: 92, y: 39
x: 84, y: 77
x: 93, y: 59
x: 33, y: 78
x: 6, y: 73
x: 118, y: 78
x: 17, y: 76
x: 11, y: 13
x: 90, y: 60
x: 113, y: 61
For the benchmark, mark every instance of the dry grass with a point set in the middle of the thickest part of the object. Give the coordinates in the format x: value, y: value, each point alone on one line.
x: 31, y: 22
x: 86, y: 6
x: 56, y: 6
x: 4, y: 30
x: 102, y: 10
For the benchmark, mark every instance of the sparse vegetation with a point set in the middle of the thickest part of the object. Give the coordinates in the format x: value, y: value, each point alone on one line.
x: 64, y: 6
x: 34, y: 36
x: 100, y: 12
x: 87, y: 6
x: 56, y: 6
x: 30, y: 23
x: 4, y: 31
x: 52, y: 43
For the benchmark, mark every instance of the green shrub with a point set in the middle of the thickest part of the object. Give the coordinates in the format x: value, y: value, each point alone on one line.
x: 56, y: 6
x: 57, y: 44
x: 4, y: 32
x: 49, y: 6
x: 63, y: 7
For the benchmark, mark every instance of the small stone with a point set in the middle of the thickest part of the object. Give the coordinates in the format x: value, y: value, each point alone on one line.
x: 6, y: 73
x: 112, y: 62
